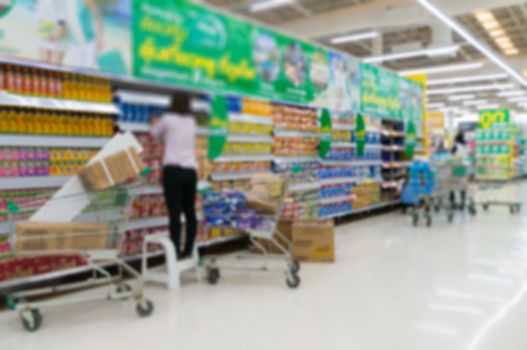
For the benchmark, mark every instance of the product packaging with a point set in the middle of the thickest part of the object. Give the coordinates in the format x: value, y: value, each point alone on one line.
x: 314, y: 240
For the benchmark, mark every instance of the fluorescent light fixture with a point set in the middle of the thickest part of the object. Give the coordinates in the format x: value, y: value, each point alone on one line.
x: 461, y: 97
x: 475, y: 102
x: 443, y: 69
x: 430, y: 6
x: 267, y: 5
x: 354, y: 37
x: 511, y: 93
x: 467, y: 79
x: 476, y: 88
x: 484, y: 15
x: 425, y: 52
x: 511, y: 52
x: 490, y: 24
x: 495, y: 33
x: 488, y: 106
x: 518, y: 99
x: 435, y: 105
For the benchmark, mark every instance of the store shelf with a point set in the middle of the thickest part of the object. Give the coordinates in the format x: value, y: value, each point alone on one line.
x: 343, y: 145
x: 240, y: 175
x: 203, y: 132
x: 296, y: 159
x: 251, y: 119
x: 145, y: 223
x: 304, y: 187
x: 390, y: 185
x: 140, y: 98
x: 343, y: 127
x: 11, y: 100
x: 351, y: 162
x: 250, y: 139
x: 135, y: 127
x: 52, y: 141
x: 393, y: 148
x: 395, y: 165
x: 338, y: 181
x: 493, y: 142
x: 339, y: 199
x: 245, y: 158
x: 32, y: 182
x: 293, y: 133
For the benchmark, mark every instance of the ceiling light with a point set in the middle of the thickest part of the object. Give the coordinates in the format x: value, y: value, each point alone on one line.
x: 354, y: 37
x: 475, y: 102
x: 470, y: 89
x: 497, y: 33
x: 511, y: 93
x: 484, y: 15
x: 488, y: 106
x: 490, y: 24
x: 435, y: 105
x: 518, y: 99
x: 443, y: 69
x: 461, y: 97
x: 425, y: 52
x: 467, y: 79
x: 267, y: 5
x: 511, y: 52
x: 471, y: 39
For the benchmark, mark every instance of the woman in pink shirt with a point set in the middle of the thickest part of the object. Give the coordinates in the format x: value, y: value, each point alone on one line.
x: 177, y: 131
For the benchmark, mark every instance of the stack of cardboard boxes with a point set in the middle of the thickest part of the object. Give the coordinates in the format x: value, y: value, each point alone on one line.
x: 366, y: 195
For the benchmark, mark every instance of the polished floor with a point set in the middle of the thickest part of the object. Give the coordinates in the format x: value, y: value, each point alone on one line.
x: 453, y: 286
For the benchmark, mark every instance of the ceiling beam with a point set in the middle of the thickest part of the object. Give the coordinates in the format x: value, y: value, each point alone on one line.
x: 359, y: 17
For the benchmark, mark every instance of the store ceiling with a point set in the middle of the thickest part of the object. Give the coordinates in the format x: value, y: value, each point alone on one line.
x: 403, y: 26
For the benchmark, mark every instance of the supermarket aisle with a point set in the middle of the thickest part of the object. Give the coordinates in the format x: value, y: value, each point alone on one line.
x: 451, y: 287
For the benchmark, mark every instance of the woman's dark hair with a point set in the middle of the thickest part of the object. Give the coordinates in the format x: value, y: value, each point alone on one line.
x: 460, y: 138
x: 180, y: 104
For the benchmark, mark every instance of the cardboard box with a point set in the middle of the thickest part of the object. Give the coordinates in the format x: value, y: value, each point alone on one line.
x: 112, y: 170
x: 44, y: 236
x: 261, y: 204
x: 314, y: 240
x: 267, y: 185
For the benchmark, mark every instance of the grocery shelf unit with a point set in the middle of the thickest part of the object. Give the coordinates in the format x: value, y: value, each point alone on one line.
x: 393, y: 162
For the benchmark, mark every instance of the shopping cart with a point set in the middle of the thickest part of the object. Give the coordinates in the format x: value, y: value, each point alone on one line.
x: 261, y: 227
x: 497, y: 194
x: 417, y: 192
x: 451, y: 177
x: 97, y: 235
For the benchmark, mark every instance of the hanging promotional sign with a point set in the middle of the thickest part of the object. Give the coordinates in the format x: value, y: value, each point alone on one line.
x: 91, y: 34
x: 489, y: 117
x: 380, y: 95
x: 326, y: 133
x: 218, y: 127
x: 360, y: 135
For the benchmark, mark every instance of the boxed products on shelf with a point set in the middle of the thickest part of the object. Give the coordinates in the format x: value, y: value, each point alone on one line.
x: 43, y: 83
x: 233, y: 167
x: 14, y: 268
x: 313, y: 240
x: 247, y: 148
x: 22, y: 199
x: 138, y: 113
x: 148, y: 206
x: 243, y: 128
x: 296, y: 146
x: 295, y: 118
x: 42, y: 161
x: 284, y: 167
x: 366, y: 195
x: 252, y: 107
x: 40, y: 122
x: 342, y: 135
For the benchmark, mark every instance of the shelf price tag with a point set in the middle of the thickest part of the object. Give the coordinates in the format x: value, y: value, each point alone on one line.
x: 326, y: 133
x: 360, y: 134
x: 219, y: 127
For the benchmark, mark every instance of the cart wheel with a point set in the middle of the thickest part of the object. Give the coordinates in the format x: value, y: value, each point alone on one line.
x: 472, y: 210
x: 404, y: 209
x: 415, y: 219
x: 213, y: 275
x: 450, y: 217
x: 295, y: 266
x: 293, y: 281
x: 485, y: 207
x: 437, y: 209
x: 512, y: 209
x: 429, y: 221
x: 31, y: 320
x: 518, y: 208
x: 124, y: 288
x: 144, y: 308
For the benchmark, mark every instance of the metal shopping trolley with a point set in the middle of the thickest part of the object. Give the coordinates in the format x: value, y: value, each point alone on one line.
x: 97, y: 235
x: 261, y: 227
x: 451, y: 176
x: 495, y: 194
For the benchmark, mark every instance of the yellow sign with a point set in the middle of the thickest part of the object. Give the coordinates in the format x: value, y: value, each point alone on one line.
x: 488, y: 118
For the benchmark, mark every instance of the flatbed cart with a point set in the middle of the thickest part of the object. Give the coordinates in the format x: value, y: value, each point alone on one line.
x: 494, y: 194
x: 110, y: 208
x: 451, y: 176
x: 266, y: 232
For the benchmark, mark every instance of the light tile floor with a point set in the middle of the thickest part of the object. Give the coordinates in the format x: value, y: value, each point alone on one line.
x: 453, y: 286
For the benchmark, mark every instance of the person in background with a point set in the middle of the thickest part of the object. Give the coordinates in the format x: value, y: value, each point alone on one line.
x: 460, y: 150
x: 176, y: 129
